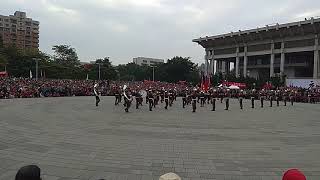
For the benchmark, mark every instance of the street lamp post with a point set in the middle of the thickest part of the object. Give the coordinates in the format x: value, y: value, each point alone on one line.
x: 153, y: 73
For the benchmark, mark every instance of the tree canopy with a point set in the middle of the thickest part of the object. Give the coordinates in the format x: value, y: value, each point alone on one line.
x: 65, y: 55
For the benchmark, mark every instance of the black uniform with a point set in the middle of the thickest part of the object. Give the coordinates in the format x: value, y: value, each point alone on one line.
x: 277, y: 97
x: 194, y: 101
x: 284, y: 96
x: 213, y: 100
x: 262, y: 97
x: 184, y: 99
x: 202, y: 99
x: 292, y: 94
x: 139, y: 99
x: 227, y: 96
x: 96, y: 94
x: 150, y: 100
x: 252, y: 96
x: 166, y: 99
x: 118, y: 97
x: 171, y: 98
x: 240, y: 96
x: 127, y: 100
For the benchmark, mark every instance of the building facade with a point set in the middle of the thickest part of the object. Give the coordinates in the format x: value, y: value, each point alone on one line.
x: 147, y: 61
x: 291, y: 50
x: 19, y: 30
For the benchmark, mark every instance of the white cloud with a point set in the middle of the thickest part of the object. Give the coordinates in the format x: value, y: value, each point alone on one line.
x: 309, y: 14
x: 129, y: 3
x: 160, y: 28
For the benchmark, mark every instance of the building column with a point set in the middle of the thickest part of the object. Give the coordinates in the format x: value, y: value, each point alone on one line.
x: 272, y: 61
x: 207, y: 67
x: 316, y: 58
x: 228, y: 67
x: 212, y: 66
x: 282, y: 59
x: 237, y: 63
x: 206, y: 56
x: 245, y: 61
x: 223, y: 66
x: 237, y: 66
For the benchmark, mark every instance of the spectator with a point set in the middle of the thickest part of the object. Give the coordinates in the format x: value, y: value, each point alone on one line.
x: 30, y: 172
x: 293, y: 174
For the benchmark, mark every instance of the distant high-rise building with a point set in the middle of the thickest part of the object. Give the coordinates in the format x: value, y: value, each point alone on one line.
x: 19, y: 30
x: 147, y: 61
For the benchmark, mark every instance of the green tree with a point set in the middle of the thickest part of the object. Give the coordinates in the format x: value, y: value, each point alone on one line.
x: 179, y: 69
x: 65, y: 55
x: 107, y: 70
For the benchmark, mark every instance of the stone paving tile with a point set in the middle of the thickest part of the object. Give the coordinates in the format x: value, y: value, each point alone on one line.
x: 71, y: 139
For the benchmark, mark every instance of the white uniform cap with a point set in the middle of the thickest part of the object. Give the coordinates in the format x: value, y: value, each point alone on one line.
x: 170, y: 176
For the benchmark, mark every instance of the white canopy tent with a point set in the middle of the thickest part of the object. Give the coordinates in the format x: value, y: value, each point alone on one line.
x: 233, y: 87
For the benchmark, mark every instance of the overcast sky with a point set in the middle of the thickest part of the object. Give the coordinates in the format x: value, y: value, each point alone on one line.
x: 123, y: 29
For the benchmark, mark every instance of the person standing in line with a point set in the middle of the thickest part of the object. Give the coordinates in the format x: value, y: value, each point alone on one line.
x: 96, y: 93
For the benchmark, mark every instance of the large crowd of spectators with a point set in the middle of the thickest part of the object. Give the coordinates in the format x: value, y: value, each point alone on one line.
x: 31, y: 88
x: 33, y: 172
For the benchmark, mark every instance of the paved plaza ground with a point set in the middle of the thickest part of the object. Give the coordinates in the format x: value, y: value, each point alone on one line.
x: 71, y: 139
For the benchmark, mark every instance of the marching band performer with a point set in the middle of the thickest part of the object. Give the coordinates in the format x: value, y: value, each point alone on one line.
x: 252, y: 96
x: 270, y: 97
x: 184, y: 98
x: 262, y: 97
x: 277, y: 97
x: 213, y: 99
x: 227, y: 96
x: 150, y: 100
x: 194, y: 100
x: 117, y: 96
x: 127, y: 98
x: 139, y: 99
x: 202, y: 99
x: 166, y: 99
x: 240, y: 96
x: 96, y: 93
x: 171, y: 97
x: 292, y: 95
x: 284, y: 96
